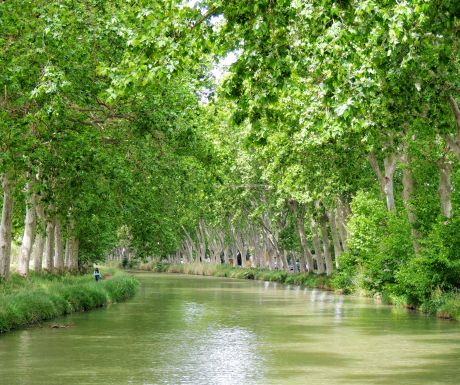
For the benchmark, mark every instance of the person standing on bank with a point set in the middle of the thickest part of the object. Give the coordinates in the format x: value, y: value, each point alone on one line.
x: 97, y: 275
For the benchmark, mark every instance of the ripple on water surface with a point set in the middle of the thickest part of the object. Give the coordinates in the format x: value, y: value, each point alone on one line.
x: 182, y: 330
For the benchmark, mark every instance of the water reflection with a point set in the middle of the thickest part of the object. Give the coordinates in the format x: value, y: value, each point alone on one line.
x: 221, y: 356
x: 206, y: 331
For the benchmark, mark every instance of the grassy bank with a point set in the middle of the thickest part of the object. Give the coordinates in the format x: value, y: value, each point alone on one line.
x: 308, y: 280
x: 39, y: 297
x: 442, y: 305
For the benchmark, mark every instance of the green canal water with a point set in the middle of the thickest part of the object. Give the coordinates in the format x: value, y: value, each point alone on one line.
x: 202, y: 330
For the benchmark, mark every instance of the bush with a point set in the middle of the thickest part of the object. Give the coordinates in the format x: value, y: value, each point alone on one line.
x: 120, y: 287
x: 160, y: 267
x: 436, y: 269
x: 379, y: 245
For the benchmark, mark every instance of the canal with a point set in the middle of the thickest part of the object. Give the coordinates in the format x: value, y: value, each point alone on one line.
x: 203, y: 330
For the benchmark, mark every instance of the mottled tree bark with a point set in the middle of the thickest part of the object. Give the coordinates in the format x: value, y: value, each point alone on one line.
x: 408, y: 191
x: 58, y: 247
x: 341, y: 220
x: 71, y: 257
x: 284, y: 261
x: 335, y: 236
x: 454, y: 140
x: 326, y: 246
x: 386, y: 179
x: 29, y: 233
x: 39, y: 244
x: 445, y: 187
x: 306, y: 257
x: 6, y: 227
x: 49, y: 246
x: 317, y: 246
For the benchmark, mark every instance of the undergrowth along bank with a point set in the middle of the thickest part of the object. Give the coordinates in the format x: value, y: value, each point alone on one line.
x: 303, y: 279
x: 40, y: 297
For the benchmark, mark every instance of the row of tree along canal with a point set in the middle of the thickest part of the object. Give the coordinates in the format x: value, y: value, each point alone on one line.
x: 334, y: 152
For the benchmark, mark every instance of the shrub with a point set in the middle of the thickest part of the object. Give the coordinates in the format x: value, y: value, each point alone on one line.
x: 120, y: 287
x: 437, y: 268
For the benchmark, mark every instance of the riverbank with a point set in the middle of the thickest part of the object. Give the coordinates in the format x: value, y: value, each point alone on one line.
x: 301, y: 279
x: 41, y: 297
x: 441, y: 305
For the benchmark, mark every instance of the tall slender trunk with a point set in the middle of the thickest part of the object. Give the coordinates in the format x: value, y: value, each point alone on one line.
x: 445, y: 187
x: 284, y: 261
x: 234, y: 253
x: 268, y: 253
x: 58, y: 247
x: 39, y: 244
x: 385, y: 179
x: 71, y: 260
x: 294, y: 263
x: 341, y: 219
x: 408, y: 191
x: 326, y: 246
x: 29, y: 233
x: 76, y: 253
x: 6, y: 227
x: 241, y: 245
x: 201, y: 255
x: 335, y: 236
x: 49, y: 246
x: 226, y: 257
x: 72, y: 254
x: 454, y: 141
x: 306, y: 257
x: 317, y: 246
x: 67, y: 252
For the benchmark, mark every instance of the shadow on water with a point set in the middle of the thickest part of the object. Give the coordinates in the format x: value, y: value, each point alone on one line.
x: 435, y: 369
x: 182, y: 330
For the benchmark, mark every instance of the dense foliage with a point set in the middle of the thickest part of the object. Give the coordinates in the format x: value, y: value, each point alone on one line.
x: 330, y: 145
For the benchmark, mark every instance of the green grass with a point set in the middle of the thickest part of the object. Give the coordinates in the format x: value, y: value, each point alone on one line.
x: 309, y: 280
x: 25, y: 301
x: 449, y: 306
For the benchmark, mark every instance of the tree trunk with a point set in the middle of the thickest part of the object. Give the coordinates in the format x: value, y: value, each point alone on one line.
x: 445, y: 187
x: 284, y: 260
x: 454, y: 141
x: 67, y: 252
x: 39, y: 244
x: 317, y: 246
x: 335, y: 236
x: 49, y: 246
x: 72, y: 253
x: 58, y: 247
x: 326, y: 247
x: 408, y: 190
x: 38, y: 249
x: 341, y: 222
x: 6, y: 227
x: 386, y: 179
x: 76, y: 252
x: 226, y: 258
x: 201, y: 255
x: 29, y: 233
x: 71, y: 260
x: 306, y: 257
x: 294, y: 263
x: 234, y: 253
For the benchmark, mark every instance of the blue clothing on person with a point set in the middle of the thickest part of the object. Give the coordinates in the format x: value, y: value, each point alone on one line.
x: 97, y: 275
